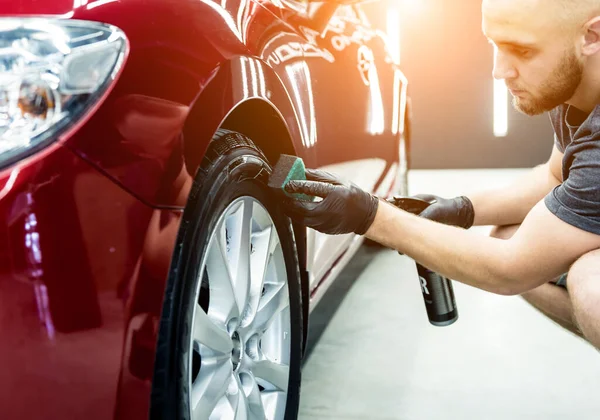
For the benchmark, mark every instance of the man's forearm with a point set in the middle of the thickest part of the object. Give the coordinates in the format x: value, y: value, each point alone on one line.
x: 509, y: 205
x: 474, y: 259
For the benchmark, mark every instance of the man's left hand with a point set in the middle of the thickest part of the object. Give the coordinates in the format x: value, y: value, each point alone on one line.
x: 345, y: 207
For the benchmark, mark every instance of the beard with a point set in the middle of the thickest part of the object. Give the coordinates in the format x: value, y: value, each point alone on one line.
x: 557, y: 89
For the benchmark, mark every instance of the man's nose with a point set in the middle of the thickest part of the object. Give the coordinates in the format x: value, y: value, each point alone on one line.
x: 503, y: 68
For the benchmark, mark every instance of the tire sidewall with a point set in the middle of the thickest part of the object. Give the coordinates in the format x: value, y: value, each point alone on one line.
x: 240, y: 172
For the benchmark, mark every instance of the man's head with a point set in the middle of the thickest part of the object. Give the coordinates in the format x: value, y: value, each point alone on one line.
x: 545, y: 50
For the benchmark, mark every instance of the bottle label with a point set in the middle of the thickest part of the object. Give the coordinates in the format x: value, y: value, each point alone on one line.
x: 424, y: 285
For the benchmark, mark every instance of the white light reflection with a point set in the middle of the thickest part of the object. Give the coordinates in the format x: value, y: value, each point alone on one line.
x: 90, y: 36
x: 253, y: 77
x: 10, y: 183
x: 43, y: 306
x: 98, y: 3
x: 67, y: 15
x: 244, y: 77
x: 59, y: 36
x: 500, y: 104
x: 500, y: 109
x: 226, y: 17
x: 299, y: 72
x: 240, y: 15
x: 399, y: 106
x: 261, y: 80
x: 251, y: 68
x: 375, y: 116
x: 249, y: 11
x: 396, y: 104
x: 393, y: 33
x: 403, y: 107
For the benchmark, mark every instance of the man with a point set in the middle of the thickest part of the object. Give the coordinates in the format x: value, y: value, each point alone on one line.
x: 547, y: 223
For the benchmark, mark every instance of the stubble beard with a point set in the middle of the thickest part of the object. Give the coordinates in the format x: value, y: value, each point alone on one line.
x: 556, y: 90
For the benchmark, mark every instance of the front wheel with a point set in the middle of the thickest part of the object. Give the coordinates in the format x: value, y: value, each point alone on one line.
x: 230, y: 338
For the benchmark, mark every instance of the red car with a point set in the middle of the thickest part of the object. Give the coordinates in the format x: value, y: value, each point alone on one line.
x: 145, y: 268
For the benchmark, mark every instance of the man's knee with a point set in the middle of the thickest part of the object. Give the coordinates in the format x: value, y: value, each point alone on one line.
x: 584, y: 275
x: 583, y: 283
x: 504, y: 231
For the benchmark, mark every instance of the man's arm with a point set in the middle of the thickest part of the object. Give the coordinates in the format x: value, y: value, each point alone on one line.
x: 543, y: 248
x: 509, y: 205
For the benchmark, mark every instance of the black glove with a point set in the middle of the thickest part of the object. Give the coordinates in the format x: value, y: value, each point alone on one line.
x: 345, y: 207
x: 454, y: 211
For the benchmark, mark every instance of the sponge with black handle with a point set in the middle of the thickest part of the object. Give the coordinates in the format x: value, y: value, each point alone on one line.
x: 288, y: 168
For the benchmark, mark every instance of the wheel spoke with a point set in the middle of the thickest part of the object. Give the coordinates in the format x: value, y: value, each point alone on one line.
x: 260, y: 255
x: 255, y: 404
x: 273, y: 302
x: 209, y: 387
x: 242, y: 278
x: 274, y: 373
x: 222, y: 295
x: 263, y: 242
x: 238, y: 225
x: 274, y: 403
x: 242, y: 409
x: 207, y: 333
x: 273, y: 242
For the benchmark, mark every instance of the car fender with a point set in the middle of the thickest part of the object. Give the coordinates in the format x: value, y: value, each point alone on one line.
x: 233, y: 85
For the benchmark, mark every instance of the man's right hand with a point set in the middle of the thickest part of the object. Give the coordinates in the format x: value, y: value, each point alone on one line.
x: 456, y: 211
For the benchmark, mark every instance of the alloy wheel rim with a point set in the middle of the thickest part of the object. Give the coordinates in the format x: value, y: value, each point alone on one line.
x: 240, y: 345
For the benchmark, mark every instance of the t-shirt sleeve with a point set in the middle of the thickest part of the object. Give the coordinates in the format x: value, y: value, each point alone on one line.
x: 577, y: 200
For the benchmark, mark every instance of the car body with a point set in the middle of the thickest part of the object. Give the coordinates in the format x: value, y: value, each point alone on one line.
x: 91, y: 214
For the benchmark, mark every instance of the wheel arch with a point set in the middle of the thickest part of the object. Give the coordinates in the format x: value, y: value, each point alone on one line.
x: 259, y: 108
x: 264, y: 113
x: 260, y: 121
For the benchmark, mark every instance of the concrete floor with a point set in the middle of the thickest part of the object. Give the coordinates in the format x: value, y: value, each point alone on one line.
x: 373, y: 354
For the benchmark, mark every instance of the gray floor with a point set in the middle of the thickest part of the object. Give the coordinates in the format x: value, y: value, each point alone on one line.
x: 378, y: 357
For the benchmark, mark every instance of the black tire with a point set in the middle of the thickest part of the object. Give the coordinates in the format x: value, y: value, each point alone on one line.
x: 232, y: 167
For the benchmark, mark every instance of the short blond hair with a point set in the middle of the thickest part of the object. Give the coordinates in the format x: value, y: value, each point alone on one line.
x: 572, y: 14
x: 575, y: 13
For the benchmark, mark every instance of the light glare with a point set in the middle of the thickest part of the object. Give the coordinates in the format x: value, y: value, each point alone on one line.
x: 393, y: 33
x: 500, y: 109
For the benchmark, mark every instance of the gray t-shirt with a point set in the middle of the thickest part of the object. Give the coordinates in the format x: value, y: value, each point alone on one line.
x: 577, y: 200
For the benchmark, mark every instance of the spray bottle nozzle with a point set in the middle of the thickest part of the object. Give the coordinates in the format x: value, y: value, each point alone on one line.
x: 409, y: 204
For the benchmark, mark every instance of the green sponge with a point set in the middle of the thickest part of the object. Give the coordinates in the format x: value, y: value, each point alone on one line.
x: 288, y: 168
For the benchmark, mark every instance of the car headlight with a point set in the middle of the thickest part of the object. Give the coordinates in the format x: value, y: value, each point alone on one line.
x: 51, y: 71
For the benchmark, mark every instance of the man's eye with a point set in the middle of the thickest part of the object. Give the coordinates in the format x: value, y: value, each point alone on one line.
x: 522, y: 52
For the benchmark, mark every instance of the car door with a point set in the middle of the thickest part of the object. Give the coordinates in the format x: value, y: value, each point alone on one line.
x: 351, y: 116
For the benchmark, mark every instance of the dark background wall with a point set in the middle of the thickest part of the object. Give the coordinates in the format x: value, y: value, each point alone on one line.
x: 448, y: 63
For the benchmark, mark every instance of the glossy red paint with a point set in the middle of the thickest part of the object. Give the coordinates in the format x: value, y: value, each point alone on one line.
x: 73, y: 243
x: 90, y: 223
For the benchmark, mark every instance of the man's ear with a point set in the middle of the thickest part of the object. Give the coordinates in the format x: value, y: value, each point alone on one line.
x: 591, y: 42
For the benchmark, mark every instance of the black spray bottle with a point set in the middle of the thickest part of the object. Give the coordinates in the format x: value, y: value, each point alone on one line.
x: 437, y: 290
